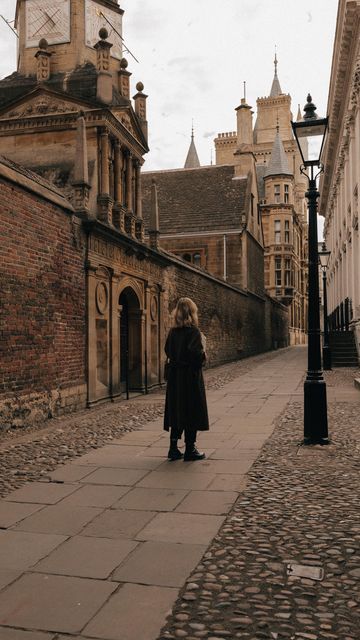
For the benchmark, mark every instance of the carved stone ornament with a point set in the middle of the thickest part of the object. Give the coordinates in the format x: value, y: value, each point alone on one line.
x: 355, y: 87
x: 40, y: 106
x: 153, y: 308
x: 101, y: 296
x: 125, y: 121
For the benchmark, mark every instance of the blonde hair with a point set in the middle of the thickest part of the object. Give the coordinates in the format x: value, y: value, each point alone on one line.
x: 186, y: 313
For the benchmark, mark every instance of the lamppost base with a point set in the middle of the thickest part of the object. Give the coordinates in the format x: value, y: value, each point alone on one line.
x: 315, y: 412
x: 326, y: 353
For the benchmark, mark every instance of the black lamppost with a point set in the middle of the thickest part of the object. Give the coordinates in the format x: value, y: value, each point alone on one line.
x: 324, y: 256
x: 315, y: 405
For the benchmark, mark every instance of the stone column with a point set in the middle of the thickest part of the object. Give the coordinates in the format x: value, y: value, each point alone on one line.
x: 129, y: 181
x: 115, y: 339
x: 139, y: 224
x: 91, y: 334
x: 81, y: 175
x: 118, y: 209
x: 129, y: 215
x: 105, y: 202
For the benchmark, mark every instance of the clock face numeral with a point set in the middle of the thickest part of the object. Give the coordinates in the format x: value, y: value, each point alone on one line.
x: 97, y: 16
x: 48, y: 19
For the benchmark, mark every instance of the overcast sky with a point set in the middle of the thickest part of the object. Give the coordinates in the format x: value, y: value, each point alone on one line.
x: 195, y: 54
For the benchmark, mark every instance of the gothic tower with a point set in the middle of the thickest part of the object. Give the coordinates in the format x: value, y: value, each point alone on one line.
x: 281, y: 188
x: 67, y: 114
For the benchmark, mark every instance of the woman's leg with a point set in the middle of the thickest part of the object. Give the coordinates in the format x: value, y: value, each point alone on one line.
x: 174, y: 451
x: 191, y: 452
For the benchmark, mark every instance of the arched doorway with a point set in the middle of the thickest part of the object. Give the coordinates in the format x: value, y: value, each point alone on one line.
x: 131, y: 377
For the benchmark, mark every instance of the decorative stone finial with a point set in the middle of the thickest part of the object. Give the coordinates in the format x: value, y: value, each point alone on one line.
x: 43, y: 44
x: 140, y: 86
x: 123, y: 63
x: 103, y: 33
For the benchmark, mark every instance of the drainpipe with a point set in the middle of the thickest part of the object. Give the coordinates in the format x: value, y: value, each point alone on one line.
x: 224, y: 254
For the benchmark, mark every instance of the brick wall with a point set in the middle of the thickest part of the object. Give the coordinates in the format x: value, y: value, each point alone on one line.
x: 42, y: 313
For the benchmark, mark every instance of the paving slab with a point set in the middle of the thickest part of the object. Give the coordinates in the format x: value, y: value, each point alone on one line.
x: 71, y: 472
x: 86, y: 557
x: 224, y: 482
x: 53, y: 603
x: 117, y: 523
x: 182, y: 528
x: 13, y: 512
x: 119, y: 619
x: 20, y: 550
x: 112, y: 451
x: 93, y: 495
x: 183, y: 479
x: 208, y: 502
x: 19, y: 634
x: 41, y: 492
x: 237, y: 453
x: 151, y: 499
x: 163, y: 564
x: 213, y: 466
x: 59, y: 518
x: 7, y: 576
x: 115, y: 476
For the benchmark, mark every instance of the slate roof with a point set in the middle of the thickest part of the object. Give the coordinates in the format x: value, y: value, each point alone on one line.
x: 278, y: 164
x: 203, y: 199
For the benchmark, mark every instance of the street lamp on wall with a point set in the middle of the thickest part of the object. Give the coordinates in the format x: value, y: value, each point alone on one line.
x: 324, y: 257
x: 315, y: 404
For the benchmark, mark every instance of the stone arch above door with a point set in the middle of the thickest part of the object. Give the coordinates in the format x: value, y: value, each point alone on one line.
x: 136, y: 286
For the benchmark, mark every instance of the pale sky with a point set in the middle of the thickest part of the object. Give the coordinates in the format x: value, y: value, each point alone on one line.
x: 194, y: 56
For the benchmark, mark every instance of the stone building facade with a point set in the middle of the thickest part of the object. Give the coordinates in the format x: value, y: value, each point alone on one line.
x: 340, y: 184
x: 208, y: 216
x: 281, y: 192
x: 86, y: 302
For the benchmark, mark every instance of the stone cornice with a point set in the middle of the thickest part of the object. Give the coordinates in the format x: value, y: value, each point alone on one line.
x: 64, y: 121
x: 343, y: 102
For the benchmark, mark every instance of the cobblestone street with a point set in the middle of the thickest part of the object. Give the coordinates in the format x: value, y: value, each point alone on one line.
x: 130, y: 537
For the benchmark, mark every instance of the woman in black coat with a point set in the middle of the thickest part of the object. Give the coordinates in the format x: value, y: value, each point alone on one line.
x: 185, y: 405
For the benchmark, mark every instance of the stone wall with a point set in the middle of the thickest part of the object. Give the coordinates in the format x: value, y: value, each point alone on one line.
x: 42, y: 313
x: 237, y: 324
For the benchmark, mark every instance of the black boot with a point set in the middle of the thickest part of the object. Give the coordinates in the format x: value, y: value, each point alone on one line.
x: 191, y: 453
x: 174, y: 452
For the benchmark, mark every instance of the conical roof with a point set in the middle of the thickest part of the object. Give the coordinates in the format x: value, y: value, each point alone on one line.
x: 192, y: 159
x: 278, y: 164
x: 275, y: 87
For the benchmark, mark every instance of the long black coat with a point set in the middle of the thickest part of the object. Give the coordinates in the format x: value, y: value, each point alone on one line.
x: 185, y: 405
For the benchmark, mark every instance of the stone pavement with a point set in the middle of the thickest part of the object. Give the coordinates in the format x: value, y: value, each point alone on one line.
x: 105, y: 549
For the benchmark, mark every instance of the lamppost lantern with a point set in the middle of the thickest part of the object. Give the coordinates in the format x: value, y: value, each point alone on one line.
x: 310, y: 126
x: 315, y: 403
x: 324, y: 257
